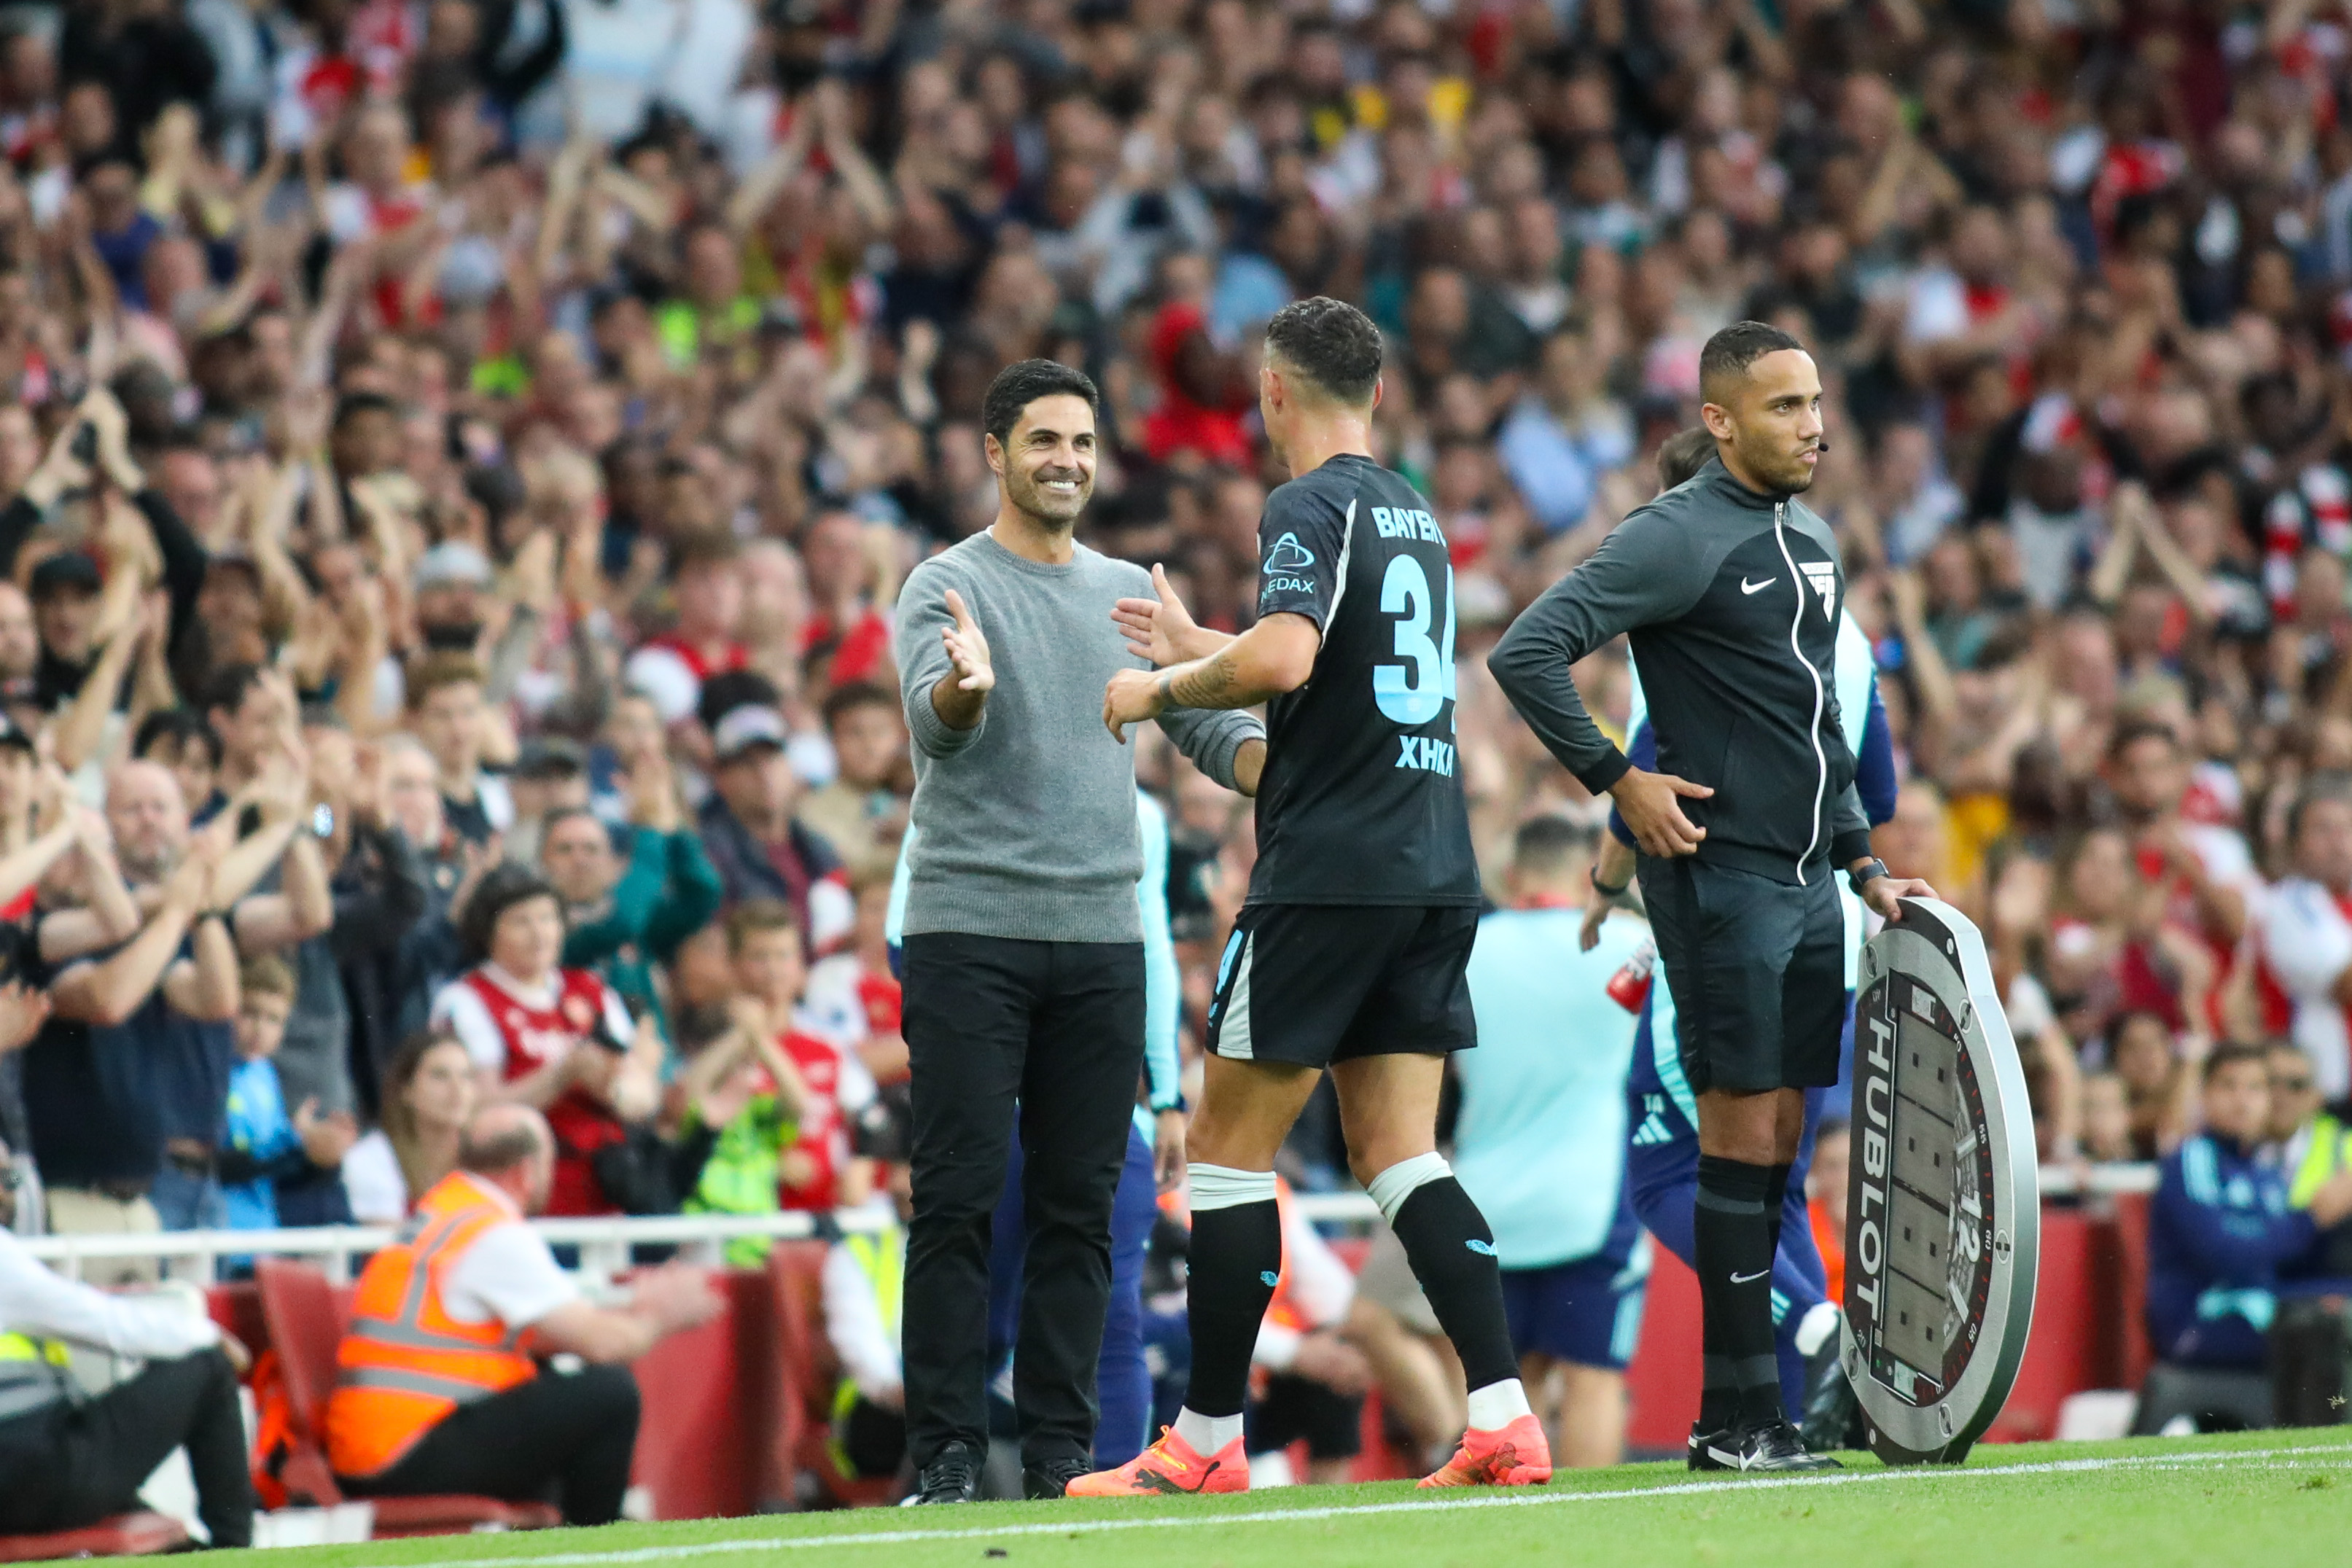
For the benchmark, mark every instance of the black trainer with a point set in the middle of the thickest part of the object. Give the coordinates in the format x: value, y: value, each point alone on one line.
x: 1051, y: 1478
x: 1831, y: 1413
x: 1774, y: 1447
x: 953, y: 1476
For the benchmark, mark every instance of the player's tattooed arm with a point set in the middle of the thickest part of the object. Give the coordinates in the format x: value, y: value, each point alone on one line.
x: 1275, y: 656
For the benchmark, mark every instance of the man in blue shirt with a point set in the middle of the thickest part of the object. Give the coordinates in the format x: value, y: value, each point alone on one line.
x: 1539, y: 1144
x: 2222, y: 1231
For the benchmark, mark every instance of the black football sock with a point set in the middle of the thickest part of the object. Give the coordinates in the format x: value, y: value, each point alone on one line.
x: 1236, y: 1260
x: 1452, y: 1255
x: 1733, y: 1247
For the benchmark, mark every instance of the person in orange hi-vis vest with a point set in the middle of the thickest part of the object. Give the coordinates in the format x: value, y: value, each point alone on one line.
x: 437, y: 1388
x: 1825, y: 1201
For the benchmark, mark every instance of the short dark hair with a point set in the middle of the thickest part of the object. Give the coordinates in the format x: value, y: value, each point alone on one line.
x: 2132, y: 731
x: 500, y: 889
x: 856, y: 695
x: 1683, y: 454
x: 351, y: 406
x: 1731, y: 351
x: 708, y: 548
x: 1543, y: 844
x: 1023, y: 382
x: 229, y: 685
x: 1331, y: 343
x: 179, y: 725
x: 2231, y: 1053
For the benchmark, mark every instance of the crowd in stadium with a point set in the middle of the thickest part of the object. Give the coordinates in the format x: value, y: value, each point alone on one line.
x: 459, y: 459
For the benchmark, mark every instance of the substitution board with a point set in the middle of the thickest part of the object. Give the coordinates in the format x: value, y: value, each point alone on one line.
x: 1943, y: 1206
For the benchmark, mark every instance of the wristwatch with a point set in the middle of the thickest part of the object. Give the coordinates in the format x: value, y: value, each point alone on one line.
x: 1602, y: 888
x: 1870, y: 870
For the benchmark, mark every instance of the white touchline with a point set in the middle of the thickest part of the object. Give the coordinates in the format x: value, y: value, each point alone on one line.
x: 2321, y: 1453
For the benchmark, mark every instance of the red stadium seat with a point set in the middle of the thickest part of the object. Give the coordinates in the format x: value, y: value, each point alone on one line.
x: 809, y: 1372
x: 124, y: 1535
x: 306, y: 1316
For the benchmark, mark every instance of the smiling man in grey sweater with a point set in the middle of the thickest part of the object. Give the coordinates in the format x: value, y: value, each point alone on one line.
x: 1024, y: 946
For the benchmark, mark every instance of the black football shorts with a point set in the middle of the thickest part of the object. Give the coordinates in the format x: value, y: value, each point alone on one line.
x: 1757, y: 972
x: 1312, y: 984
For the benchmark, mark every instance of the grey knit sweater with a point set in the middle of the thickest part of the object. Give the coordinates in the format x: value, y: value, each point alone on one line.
x: 1025, y: 823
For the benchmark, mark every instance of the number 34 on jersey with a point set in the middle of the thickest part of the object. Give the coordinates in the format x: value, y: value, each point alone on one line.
x: 1413, y: 691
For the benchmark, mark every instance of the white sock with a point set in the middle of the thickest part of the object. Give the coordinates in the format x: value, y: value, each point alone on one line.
x: 1394, y: 1185
x: 1207, y: 1434
x: 1222, y: 1186
x: 1497, y: 1405
x: 1820, y: 1322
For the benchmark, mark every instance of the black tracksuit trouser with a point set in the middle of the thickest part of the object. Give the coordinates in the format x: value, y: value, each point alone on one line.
x: 1057, y: 1028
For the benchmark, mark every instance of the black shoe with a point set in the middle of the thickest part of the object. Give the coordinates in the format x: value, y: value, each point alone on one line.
x: 1774, y: 1447
x: 953, y: 1476
x: 1830, y: 1408
x: 1051, y: 1478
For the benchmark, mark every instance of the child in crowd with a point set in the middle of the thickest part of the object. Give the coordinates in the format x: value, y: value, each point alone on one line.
x: 818, y: 1172
x: 2160, y: 1078
x: 744, y: 1089
x: 264, y: 1143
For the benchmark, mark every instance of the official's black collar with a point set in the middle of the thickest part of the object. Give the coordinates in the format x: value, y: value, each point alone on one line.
x: 1720, y: 481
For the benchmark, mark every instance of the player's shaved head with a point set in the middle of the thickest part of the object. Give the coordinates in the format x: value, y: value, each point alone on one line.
x: 1547, y: 846
x: 1723, y: 364
x: 1330, y: 346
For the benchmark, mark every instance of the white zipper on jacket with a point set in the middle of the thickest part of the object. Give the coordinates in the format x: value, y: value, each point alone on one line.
x: 1821, y: 759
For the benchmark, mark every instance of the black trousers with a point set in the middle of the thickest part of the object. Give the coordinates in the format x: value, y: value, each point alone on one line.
x: 559, y: 1438
x: 1058, y: 1026
x: 70, y: 1465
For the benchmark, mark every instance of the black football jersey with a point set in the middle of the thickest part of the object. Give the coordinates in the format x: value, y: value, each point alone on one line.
x: 1360, y: 801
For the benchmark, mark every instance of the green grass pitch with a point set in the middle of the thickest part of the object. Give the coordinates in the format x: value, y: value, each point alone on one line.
x: 2279, y: 1499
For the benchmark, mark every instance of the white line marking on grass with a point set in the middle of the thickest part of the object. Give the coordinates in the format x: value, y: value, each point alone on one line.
x: 2210, y: 1458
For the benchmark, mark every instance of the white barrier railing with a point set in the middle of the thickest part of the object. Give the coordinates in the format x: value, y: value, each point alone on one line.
x: 604, y: 1244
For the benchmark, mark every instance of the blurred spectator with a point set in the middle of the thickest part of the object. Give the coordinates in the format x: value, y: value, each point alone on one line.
x: 751, y: 836
x: 264, y: 1141
x: 2307, y: 930
x: 555, y: 1039
x: 429, y: 1095
x: 2222, y: 1232
x: 2313, y: 1148
x: 1825, y: 1197
x: 862, y: 812
x: 625, y: 920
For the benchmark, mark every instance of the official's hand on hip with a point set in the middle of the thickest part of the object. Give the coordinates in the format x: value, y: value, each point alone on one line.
x: 1651, y: 804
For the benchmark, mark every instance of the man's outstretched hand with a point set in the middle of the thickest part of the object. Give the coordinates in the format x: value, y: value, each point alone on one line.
x: 1651, y: 804
x: 967, y: 648
x: 1161, y: 630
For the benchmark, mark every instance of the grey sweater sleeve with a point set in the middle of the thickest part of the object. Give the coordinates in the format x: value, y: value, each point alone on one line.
x: 922, y: 616
x: 1212, y: 738
x: 1643, y: 573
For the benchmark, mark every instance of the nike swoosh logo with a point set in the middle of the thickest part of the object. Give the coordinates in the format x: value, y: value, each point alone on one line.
x: 1750, y: 1279
x: 1747, y: 587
